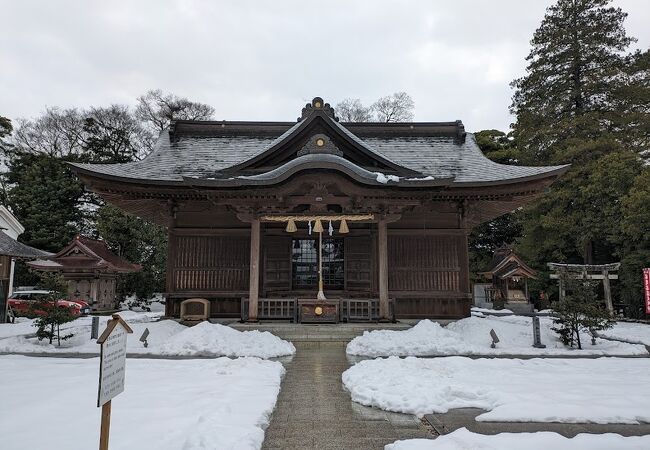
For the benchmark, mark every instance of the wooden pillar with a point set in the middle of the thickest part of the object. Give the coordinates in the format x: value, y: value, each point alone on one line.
x: 94, y: 289
x: 608, y: 292
x: 562, y: 288
x: 526, y: 290
x: 254, y: 285
x: 384, y: 307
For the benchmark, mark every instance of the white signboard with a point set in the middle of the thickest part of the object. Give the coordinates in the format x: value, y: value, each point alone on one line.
x: 112, y: 363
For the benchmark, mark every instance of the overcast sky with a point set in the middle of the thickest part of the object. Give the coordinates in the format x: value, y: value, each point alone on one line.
x: 262, y: 60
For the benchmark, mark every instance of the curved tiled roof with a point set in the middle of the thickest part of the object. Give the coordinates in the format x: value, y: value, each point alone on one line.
x: 206, y: 150
x: 11, y: 247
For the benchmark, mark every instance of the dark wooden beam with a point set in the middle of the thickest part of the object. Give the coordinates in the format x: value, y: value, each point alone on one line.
x: 254, y: 271
x: 384, y: 307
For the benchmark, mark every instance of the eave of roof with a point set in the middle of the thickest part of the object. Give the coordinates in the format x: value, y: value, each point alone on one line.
x: 11, y: 247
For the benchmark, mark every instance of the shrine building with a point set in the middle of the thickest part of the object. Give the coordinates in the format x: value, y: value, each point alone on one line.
x: 317, y: 220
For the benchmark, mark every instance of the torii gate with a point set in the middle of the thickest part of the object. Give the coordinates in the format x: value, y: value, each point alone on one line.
x: 587, y: 272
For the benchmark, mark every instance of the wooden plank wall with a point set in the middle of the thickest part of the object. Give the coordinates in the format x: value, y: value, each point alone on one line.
x: 428, y: 275
x: 359, y: 267
x: 276, y: 263
x: 423, y: 263
x: 210, y: 263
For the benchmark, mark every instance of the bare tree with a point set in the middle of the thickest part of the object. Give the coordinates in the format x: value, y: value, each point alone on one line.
x: 158, y: 109
x: 394, y: 108
x: 57, y: 133
x: 110, y: 134
x: 114, y: 134
x: 352, y: 110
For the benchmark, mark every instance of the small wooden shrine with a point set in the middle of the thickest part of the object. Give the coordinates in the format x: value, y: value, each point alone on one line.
x: 90, y: 270
x: 509, y: 276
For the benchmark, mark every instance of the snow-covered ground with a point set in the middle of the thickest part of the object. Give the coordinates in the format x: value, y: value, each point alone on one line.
x: 471, y: 336
x: 166, y: 337
x: 630, y: 332
x: 463, y: 439
x: 602, y: 390
x: 167, y: 405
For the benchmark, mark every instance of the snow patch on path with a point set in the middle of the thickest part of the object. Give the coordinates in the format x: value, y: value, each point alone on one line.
x: 629, y: 332
x: 463, y: 439
x: 166, y: 405
x: 471, y: 336
x: 603, y: 390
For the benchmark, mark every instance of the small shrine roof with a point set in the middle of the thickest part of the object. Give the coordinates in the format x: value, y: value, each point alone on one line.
x: 83, y: 254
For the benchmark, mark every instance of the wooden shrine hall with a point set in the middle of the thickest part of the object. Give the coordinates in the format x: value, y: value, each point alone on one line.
x: 317, y: 220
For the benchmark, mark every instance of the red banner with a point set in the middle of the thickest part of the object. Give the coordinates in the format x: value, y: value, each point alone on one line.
x: 646, y: 289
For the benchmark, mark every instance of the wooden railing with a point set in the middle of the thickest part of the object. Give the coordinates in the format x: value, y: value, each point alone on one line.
x: 273, y: 309
x: 350, y: 310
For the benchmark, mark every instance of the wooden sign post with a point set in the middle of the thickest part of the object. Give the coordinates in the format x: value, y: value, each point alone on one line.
x: 112, y: 362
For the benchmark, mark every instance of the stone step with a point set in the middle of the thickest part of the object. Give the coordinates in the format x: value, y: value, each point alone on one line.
x: 325, y: 333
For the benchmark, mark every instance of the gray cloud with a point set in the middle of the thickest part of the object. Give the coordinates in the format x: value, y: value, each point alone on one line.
x: 255, y: 60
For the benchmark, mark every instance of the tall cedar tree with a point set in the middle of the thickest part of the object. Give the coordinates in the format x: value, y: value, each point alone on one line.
x: 584, y: 102
x: 566, y: 96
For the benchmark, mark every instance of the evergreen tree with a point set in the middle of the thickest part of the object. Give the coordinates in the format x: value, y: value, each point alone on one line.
x: 137, y: 241
x: 580, y: 312
x: 582, y: 101
x: 45, y: 197
x: 634, y: 245
x: 574, y: 67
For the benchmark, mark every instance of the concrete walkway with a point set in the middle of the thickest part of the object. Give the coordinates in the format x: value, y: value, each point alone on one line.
x: 315, y: 412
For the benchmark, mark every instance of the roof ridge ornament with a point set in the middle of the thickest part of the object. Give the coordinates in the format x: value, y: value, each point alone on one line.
x: 319, y: 144
x: 317, y: 104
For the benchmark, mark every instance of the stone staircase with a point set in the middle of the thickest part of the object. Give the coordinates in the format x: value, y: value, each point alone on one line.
x: 318, y: 335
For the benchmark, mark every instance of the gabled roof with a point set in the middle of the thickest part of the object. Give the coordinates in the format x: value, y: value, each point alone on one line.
x: 84, y: 253
x: 11, y: 247
x: 223, y: 154
x: 506, y: 264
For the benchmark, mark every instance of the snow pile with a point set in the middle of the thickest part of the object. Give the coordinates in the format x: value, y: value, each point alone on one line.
x: 21, y: 327
x: 383, y: 178
x: 463, y: 439
x: 603, y: 390
x: 638, y: 333
x: 166, y: 337
x: 167, y: 405
x: 471, y: 336
x: 425, y: 338
x: 209, y: 339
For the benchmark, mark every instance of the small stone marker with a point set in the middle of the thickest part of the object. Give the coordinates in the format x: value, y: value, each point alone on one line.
x: 537, y: 335
x: 144, y: 336
x: 94, y: 328
x: 112, y: 362
x: 495, y: 339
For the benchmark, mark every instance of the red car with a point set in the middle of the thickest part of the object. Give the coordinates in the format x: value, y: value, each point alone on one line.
x: 21, y: 303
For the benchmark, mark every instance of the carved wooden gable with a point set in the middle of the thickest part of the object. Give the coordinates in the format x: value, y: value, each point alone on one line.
x: 319, y: 133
